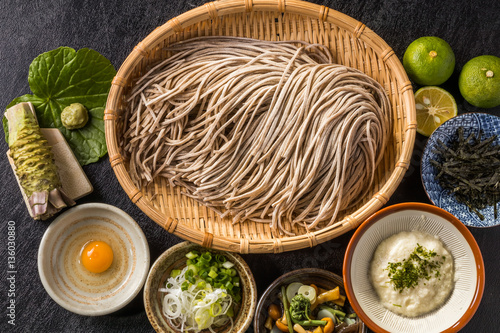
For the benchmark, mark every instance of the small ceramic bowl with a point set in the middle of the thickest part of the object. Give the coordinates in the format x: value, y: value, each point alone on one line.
x: 175, y: 258
x: 466, y: 295
x: 69, y: 283
x: 319, y: 277
x: 472, y: 123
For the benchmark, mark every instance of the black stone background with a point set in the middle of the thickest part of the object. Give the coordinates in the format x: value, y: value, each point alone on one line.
x: 114, y: 27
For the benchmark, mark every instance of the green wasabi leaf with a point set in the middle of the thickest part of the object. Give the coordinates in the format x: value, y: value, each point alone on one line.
x: 61, y: 77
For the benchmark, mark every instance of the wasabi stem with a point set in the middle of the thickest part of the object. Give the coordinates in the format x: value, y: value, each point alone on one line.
x: 34, y: 163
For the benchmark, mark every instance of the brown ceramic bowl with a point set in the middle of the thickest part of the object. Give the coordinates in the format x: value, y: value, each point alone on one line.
x: 466, y: 295
x: 320, y: 277
x: 175, y: 258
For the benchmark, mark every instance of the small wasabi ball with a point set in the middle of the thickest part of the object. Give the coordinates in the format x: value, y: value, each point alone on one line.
x: 74, y: 116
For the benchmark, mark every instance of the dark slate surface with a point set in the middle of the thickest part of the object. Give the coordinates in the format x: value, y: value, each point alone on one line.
x: 113, y: 27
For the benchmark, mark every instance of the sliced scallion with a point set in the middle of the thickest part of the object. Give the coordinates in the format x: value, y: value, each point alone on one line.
x: 227, y: 264
x: 192, y: 255
x: 175, y: 272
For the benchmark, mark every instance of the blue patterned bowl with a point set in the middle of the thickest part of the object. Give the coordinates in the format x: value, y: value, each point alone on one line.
x: 471, y: 122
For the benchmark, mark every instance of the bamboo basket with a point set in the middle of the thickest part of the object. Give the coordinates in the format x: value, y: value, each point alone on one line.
x: 351, y: 43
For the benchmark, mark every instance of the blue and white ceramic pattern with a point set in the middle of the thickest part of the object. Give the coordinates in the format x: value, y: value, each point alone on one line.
x: 471, y: 122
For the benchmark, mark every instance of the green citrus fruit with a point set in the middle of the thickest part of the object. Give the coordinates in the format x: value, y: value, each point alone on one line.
x: 429, y: 61
x: 434, y: 106
x: 479, y: 81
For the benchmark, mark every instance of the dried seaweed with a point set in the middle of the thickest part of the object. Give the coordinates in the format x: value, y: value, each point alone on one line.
x: 469, y: 168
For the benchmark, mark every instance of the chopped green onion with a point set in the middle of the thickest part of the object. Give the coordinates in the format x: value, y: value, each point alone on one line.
x: 220, y: 258
x: 194, y: 268
x: 190, y: 276
x: 230, y: 312
x: 215, y: 310
x: 223, y: 278
x: 192, y: 255
x: 206, y: 257
x: 175, y: 273
x: 215, y: 270
x: 227, y: 265
x: 236, y: 281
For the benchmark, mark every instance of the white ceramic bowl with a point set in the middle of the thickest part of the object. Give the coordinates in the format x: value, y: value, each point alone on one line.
x: 469, y: 269
x: 69, y: 283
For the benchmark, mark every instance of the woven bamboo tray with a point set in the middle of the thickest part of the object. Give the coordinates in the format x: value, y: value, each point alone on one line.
x: 351, y: 43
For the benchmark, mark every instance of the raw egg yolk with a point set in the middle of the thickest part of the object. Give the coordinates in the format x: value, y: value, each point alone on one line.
x: 97, y: 256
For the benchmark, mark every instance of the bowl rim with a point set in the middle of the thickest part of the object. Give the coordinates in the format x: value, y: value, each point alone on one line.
x: 428, y: 146
x: 479, y: 289
x: 295, y: 273
x: 42, y: 257
x: 177, y: 247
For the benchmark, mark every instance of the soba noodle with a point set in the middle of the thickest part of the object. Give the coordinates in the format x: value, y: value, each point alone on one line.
x: 269, y: 131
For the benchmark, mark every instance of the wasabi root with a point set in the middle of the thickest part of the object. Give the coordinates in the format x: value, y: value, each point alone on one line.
x: 34, y: 163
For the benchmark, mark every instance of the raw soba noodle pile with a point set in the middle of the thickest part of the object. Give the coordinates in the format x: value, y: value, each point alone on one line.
x: 270, y: 131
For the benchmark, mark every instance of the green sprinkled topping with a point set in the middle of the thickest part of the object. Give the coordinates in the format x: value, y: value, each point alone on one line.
x: 421, y: 264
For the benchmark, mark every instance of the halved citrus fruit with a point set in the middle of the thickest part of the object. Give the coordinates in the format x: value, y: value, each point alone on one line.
x: 434, y: 106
